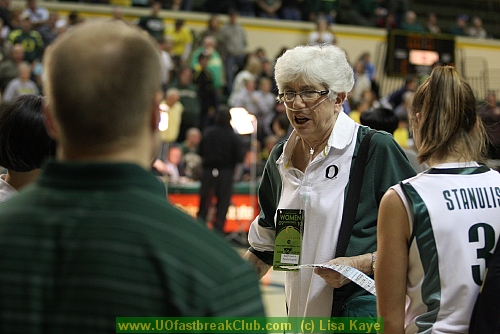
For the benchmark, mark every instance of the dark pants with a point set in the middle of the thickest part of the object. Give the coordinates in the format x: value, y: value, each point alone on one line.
x: 216, y: 183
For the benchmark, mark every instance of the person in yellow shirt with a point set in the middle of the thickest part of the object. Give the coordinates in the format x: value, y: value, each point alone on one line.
x: 170, y: 119
x: 182, y: 37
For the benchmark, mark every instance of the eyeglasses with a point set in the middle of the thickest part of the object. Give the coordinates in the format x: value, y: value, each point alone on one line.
x: 305, y: 95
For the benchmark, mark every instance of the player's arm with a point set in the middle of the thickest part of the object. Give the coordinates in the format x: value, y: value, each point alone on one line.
x: 393, y: 234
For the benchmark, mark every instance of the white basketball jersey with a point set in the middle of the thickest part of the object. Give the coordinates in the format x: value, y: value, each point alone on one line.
x: 454, y: 212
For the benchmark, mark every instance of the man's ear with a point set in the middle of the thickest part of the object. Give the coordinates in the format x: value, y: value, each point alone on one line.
x: 50, y: 123
x: 155, y: 112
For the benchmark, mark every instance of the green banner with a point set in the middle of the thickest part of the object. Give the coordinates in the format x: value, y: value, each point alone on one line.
x: 248, y: 325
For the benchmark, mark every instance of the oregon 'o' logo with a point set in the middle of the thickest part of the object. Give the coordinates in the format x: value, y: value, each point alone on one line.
x: 331, y: 172
x: 289, y: 229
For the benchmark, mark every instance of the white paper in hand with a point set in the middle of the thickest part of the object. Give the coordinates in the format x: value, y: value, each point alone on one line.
x: 351, y: 273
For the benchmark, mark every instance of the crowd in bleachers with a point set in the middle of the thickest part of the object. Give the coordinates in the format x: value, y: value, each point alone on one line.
x: 214, y: 67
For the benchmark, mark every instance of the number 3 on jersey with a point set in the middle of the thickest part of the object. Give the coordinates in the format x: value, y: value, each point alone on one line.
x: 482, y: 253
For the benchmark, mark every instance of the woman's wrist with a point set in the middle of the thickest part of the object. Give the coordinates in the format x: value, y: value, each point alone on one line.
x: 374, y: 261
x: 365, y: 263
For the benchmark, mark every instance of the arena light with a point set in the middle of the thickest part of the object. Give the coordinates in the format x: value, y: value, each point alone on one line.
x: 163, y: 125
x: 243, y: 122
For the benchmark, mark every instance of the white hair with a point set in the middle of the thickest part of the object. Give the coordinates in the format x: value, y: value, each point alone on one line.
x: 316, y: 64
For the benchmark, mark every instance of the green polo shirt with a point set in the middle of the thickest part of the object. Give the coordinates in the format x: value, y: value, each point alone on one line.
x: 89, y: 242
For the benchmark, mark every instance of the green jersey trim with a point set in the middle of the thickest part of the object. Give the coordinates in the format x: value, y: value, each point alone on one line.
x: 424, y: 237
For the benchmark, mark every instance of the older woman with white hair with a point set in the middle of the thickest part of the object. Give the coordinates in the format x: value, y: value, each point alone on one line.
x: 305, y: 186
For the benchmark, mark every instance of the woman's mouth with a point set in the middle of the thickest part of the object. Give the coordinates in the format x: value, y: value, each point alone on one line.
x: 300, y: 120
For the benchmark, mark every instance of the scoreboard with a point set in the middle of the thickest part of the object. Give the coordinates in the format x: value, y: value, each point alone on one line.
x: 412, y: 52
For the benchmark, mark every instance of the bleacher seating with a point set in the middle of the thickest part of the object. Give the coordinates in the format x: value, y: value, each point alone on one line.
x: 448, y: 10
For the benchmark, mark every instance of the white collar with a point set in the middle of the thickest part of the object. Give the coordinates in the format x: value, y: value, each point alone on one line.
x: 462, y: 164
x: 343, y: 131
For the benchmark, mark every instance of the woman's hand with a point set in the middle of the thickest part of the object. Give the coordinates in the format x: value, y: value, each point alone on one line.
x: 260, y: 266
x: 334, y: 279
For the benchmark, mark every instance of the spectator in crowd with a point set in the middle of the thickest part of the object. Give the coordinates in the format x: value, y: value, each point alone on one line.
x: 370, y: 96
x: 207, y: 94
x: 22, y: 85
x: 182, y: 38
x: 51, y: 29
x: 387, y: 22
x: 170, y: 118
x: 362, y: 83
x: 385, y: 119
x: 410, y: 23
x: 366, y: 12
x: 251, y: 70
x: 460, y: 28
x: 489, y: 111
x: 140, y: 3
x: 402, y: 133
x: 357, y: 109
x: 24, y: 144
x: 402, y: 137
x: 97, y: 215
x: 192, y: 141
x: 280, y: 127
x: 213, y: 29
x: 172, y: 168
x: 37, y: 15
x: 431, y: 24
x: 74, y: 19
x: 245, y: 97
x: 189, y: 98
x: 153, y: 23
x: 30, y: 39
x: 177, y: 5
x: 322, y: 34
x: 117, y: 13
x: 476, y: 29
x: 269, y: 8
x: 191, y: 160
x: 401, y: 110
x: 221, y: 150
x: 309, y: 9
x: 268, y: 145
x: 431, y: 261
x: 329, y: 9
x: 249, y: 168
x: 365, y: 58
x: 260, y: 53
x: 236, y: 43
x: 266, y: 101
x: 313, y: 83
x: 380, y: 119
x: 291, y: 10
x: 5, y: 13
x: 245, y: 7
x: 396, y: 9
x: 167, y: 63
x: 395, y: 98
x: 5, y: 45
x: 218, y: 6
x: 215, y: 64
x: 9, y: 68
